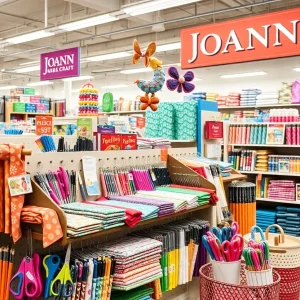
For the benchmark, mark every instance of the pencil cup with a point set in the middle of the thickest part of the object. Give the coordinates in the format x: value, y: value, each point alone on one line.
x: 259, y: 278
x: 228, y: 272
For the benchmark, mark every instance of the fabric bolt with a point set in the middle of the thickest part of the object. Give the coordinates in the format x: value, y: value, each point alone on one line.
x: 133, y: 216
x: 139, y: 293
x: 12, y: 164
x: 163, y: 205
x: 52, y: 230
x: 124, y: 268
x: 179, y: 204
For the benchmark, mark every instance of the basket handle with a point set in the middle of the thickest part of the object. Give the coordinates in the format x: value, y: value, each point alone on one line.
x: 281, y: 236
x: 253, y: 229
x: 88, y: 84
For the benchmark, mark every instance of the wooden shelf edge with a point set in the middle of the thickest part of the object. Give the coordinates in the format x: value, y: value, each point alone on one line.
x: 235, y: 175
x: 123, y: 229
x: 278, y: 201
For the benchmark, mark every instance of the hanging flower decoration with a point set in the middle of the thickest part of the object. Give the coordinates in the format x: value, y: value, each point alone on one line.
x: 180, y: 82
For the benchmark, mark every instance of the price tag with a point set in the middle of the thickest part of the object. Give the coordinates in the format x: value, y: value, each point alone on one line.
x: 164, y: 154
x: 44, y: 125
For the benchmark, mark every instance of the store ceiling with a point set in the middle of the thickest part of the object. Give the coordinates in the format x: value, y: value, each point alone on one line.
x: 22, y: 16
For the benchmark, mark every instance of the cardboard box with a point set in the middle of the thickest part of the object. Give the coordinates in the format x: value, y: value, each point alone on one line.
x: 129, y: 142
x: 110, y: 142
x: 40, y: 108
x: 29, y: 91
x: 25, y: 99
x: 18, y: 107
x: 35, y: 99
x: 30, y: 107
x: 44, y: 101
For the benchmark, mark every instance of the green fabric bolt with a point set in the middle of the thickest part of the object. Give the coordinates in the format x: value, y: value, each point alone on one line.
x: 135, y: 294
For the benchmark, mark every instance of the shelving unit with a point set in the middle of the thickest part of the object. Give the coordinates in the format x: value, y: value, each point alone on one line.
x: 270, y: 173
x: 9, y: 112
x: 125, y: 112
x: 264, y: 145
x: 278, y: 201
x: 258, y: 106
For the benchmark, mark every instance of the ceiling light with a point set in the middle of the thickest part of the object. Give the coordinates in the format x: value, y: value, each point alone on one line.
x: 27, y: 69
x: 197, y: 79
x: 134, y: 71
x: 78, y: 78
x: 154, y: 5
x: 297, y: 69
x: 117, y: 86
x: 93, y: 21
x: 30, y: 63
x: 29, y: 37
x: 243, y: 75
x: 8, y: 87
x: 40, y: 83
x: 109, y: 56
x: 168, y: 47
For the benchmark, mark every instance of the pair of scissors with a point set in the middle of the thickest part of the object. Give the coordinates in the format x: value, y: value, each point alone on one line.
x: 216, y: 231
x: 226, y: 234
x: 30, y: 280
x: 232, y: 250
x: 63, y: 285
x: 51, y: 264
x: 212, y: 245
x: 235, y: 228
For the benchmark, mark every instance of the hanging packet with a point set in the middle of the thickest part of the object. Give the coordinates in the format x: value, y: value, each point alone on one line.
x: 107, y: 102
x: 296, y: 91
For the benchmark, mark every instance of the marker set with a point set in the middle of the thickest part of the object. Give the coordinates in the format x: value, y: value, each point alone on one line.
x: 242, y: 204
x: 82, y: 144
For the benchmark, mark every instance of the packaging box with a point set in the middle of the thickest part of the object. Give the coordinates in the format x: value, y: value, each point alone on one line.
x: 30, y: 107
x: 19, y: 107
x: 16, y: 91
x: 129, y: 142
x: 105, y: 129
x: 35, y: 99
x: 29, y: 91
x: 110, y: 142
x: 40, y: 108
x: 213, y: 130
x: 44, y: 101
x: 25, y: 99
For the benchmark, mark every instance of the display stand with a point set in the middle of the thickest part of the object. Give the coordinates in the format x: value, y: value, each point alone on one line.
x: 176, y: 169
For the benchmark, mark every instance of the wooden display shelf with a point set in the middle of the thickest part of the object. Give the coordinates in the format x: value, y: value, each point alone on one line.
x: 124, y: 112
x: 9, y: 111
x: 234, y: 176
x: 257, y: 106
x: 125, y: 229
x: 176, y: 170
x: 263, y: 145
x: 270, y: 173
x: 278, y: 201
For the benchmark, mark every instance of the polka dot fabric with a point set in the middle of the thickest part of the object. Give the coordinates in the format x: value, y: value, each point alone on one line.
x: 11, y: 164
x: 52, y: 230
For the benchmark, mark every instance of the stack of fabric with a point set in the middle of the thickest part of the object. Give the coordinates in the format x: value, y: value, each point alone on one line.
x: 222, y: 100
x: 199, y: 96
x: 248, y: 97
x: 248, y: 114
x: 109, y: 216
x: 78, y: 225
x: 267, y: 98
x: 233, y: 99
x: 282, y: 190
x: 140, y: 293
x: 148, y: 211
x: 202, y: 197
x: 265, y: 218
x: 211, y: 96
x: 153, y: 143
x: 143, y: 144
x: 179, y: 204
x: 165, y: 207
x: 238, y: 114
x: 262, y: 157
x: 289, y: 219
x: 137, y: 261
x: 285, y: 93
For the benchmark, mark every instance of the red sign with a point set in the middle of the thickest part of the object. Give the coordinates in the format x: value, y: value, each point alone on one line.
x: 261, y: 37
x: 44, y: 125
x: 213, y: 130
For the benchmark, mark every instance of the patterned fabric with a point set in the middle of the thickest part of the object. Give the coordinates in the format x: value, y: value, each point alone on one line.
x: 185, y: 120
x: 160, y: 124
x: 52, y: 230
x: 12, y: 164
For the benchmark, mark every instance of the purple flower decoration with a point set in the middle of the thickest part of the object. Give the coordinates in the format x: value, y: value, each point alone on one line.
x: 180, y: 82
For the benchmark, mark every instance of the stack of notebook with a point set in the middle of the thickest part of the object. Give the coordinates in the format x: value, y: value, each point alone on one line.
x: 137, y: 261
x: 289, y: 219
x: 109, y: 216
x: 165, y: 207
x: 265, y: 218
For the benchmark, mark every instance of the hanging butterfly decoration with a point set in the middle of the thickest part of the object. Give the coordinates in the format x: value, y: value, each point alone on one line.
x: 157, y: 82
x: 180, y: 82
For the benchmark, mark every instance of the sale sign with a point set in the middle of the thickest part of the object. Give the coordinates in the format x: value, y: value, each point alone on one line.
x: 260, y: 37
x: 44, y: 125
x: 60, y: 64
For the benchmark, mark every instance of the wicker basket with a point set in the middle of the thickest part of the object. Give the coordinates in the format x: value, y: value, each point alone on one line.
x: 211, y: 289
x: 284, y: 249
x: 285, y: 259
